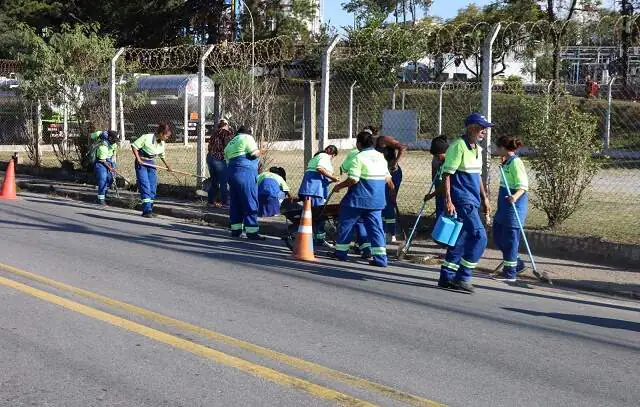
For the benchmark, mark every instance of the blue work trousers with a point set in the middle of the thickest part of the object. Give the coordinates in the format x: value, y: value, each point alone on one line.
x: 218, y: 175
x: 462, y: 259
x: 147, y: 185
x: 104, y: 178
x: 372, y: 221
x: 243, y: 205
x: 362, y: 237
x: 507, y: 240
x: 389, y: 214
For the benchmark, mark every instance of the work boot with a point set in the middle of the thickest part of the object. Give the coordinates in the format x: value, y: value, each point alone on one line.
x: 520, y: 267
x: 505, y: 278
x: 147, y: 215
x: 463, y: 286
x: 323, y: 243
x: 102, y: 202
x: 366, y: 254
x: 255, y: 236
x: 236, y: 233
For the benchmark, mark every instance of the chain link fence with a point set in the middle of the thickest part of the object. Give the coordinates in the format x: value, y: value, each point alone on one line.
x: 275, y: 87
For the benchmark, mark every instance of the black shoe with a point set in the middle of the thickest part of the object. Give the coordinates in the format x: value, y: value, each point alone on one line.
x: 445, y: 284
x: 236, y: 234
x: 366, y: 255
x: 463, y: 286
x: 147, y: 215
x: 101, y: 202
x: 255, y: 236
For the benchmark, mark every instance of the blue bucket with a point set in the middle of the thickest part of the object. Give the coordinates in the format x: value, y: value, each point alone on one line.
x: 447, y: 230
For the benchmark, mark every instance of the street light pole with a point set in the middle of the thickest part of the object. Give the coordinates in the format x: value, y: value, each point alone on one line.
x: 253, y: 53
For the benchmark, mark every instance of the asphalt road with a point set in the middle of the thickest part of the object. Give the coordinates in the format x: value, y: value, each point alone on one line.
x: 105, y: 308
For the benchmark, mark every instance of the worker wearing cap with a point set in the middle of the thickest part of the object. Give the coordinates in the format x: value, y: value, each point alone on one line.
x: 464, y: 195
x: 315, y: 186
x: 241, y: 154
x: 272, y: 189
x: 360, y: 232
x: 145, y: 149
x: 365, y: 199
x: 105, y: 164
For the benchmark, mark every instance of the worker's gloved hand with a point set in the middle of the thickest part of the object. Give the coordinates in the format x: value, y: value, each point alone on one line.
x: 510, y: 199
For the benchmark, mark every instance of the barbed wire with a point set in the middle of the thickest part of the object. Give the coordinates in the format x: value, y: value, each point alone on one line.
x: 9, y: 66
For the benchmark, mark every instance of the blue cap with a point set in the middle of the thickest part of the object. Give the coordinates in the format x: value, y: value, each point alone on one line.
x: 477, y: 118
x: 104, y: 135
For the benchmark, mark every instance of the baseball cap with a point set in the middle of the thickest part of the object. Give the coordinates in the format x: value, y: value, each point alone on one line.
x: 477, y: 118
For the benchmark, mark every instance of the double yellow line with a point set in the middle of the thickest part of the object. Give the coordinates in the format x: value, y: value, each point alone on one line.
x: 207, y: 352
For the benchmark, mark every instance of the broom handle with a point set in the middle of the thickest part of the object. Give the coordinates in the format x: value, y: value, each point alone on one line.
x: 424, y: 205
x: 515, y: 210
x: 172, y: 170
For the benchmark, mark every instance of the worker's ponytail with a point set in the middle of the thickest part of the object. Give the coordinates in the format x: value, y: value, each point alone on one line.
x: 366, y: 140
x: 509, y: 143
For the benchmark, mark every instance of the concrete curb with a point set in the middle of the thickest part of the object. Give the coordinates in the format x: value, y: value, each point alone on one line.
x: 219, y: 218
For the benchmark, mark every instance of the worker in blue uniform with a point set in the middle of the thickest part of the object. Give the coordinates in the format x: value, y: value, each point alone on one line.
x: 365, y: 199
x: 145, y: 149
x: 272, y: 190
x: 363, y: 245
x: 464, y: 195
x: 393, y: 151
x: 315, y: 186
x: 241, y: 154
x: 105, y: 163
x: 506, y: 229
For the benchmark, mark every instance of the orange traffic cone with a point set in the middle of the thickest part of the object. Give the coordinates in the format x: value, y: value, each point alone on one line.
x: 303, y: 249
x: 9, y: 185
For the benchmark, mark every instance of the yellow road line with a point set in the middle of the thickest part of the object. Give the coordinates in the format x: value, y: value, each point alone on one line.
x: 298, y: 363
x: 199, y: 350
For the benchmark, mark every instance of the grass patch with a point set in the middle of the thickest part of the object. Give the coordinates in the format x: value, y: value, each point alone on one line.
x: 610, y: 212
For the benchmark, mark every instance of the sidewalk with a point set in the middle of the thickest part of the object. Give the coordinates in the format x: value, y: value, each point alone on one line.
x: 570, y: 275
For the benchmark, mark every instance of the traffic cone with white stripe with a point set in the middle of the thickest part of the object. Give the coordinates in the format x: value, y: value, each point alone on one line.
x: 303, y: 249
x: 9, y: 185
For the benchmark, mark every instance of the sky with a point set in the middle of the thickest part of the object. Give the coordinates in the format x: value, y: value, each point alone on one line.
x: 334, y: 13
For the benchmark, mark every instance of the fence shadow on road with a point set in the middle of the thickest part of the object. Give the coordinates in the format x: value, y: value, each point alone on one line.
x: 583, y: 319
x: 243, y: 253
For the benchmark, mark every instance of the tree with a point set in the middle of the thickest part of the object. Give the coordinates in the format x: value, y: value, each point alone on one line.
x: 467, y: 31
x: 563, y: 139
x: 69, y: 68
x: 273, y: 18
x: 210, y: 21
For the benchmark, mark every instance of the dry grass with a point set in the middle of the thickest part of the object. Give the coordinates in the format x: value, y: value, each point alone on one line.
x: 610, y: 212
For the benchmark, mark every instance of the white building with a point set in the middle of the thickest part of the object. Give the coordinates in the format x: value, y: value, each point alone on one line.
x: 315, y: 23
x: 449, y: 70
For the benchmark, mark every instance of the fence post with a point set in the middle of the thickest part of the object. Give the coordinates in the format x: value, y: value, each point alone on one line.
x: 324, y: 95
x: 112, y: 89
x: 607, y: 130
x: 217, y: 103
x: 487, y: 85
x: 185, y: 119
x: 353, y: 85
x: 121, y: 109
x: 309, y: 119
x: 440, y: 97
x: 404, y: 96
x: 65, y: 125
x: 201, y: 159
x: 38, y: 133
x: 393, y: 97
